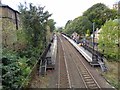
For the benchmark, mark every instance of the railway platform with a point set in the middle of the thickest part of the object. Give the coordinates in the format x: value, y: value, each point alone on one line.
x: 93, y: 59
x: 48, y: 63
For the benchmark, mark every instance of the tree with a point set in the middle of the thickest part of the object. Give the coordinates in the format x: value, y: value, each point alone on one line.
x: 34, y: 22
x: 108, y: 39
x: 99, y: 13
x: 80, y: 25
x: 51, y: 24
x: 68, y: 22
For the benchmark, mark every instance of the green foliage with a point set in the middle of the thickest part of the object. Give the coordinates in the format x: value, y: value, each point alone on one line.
x: 79, y: 25
x: 8, y: 32
x: 51, y: 24
x: 34, y: 23
x: 68, y: 22
x: 88, y: 33
x: 99, y: 13
x: 14, y: 69
x: 60, y: 29
x: 17, y: 64
x: 108, y: 39
x: 21, y: 36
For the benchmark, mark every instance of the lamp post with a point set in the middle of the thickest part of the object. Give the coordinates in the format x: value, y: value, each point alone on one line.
x: 93, y: 55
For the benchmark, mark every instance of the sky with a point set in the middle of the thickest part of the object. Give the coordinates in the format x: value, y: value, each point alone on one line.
x: 62, y: 10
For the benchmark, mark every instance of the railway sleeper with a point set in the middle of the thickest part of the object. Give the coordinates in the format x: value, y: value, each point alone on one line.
x: 93, y: 86
x: 89, y: 80
x: 86, y: 75
x: 84, y: 71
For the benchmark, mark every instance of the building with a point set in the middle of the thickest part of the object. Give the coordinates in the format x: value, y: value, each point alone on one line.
x: 116, y: 5
x: 9, y: 24
x: 7, y: 12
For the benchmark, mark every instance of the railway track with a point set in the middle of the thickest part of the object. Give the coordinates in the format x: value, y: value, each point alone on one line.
x: 87, y: 77
x: 63, y: 78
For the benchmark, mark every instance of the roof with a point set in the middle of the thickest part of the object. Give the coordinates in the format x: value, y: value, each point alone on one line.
x: 6, y: 6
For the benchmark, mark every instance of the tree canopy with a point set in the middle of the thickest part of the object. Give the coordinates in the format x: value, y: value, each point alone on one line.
x: 51, y: 23
x: 80, y: 25
x: 34, y: 21
x: 99, y: 13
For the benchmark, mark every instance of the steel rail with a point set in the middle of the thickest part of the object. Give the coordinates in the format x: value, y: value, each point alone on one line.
x: 61, y: 73
x: 85, y: 73
x: 77, y: 68
x: 66, y: 65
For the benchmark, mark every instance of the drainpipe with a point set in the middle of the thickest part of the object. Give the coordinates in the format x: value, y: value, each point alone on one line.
x: 16, y: 21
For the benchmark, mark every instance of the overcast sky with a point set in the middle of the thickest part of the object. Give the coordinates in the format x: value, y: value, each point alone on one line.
x: 62, y: 10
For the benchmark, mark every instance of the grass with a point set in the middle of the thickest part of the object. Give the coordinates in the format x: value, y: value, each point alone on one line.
x: 44, y: 82
x: 112, y: 74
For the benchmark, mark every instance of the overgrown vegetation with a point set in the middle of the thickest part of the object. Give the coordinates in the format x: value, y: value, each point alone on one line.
x: 31, y: 39
x: 108, y: 40
x: 15, y: 69
x: 79, y: 25
x: 99, y: 13
x: 112, y: 74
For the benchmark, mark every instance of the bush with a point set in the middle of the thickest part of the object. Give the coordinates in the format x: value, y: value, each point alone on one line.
x: 108, y: 39
x: 16, y: 67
